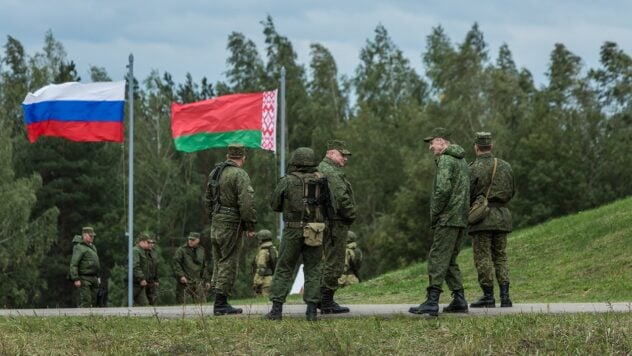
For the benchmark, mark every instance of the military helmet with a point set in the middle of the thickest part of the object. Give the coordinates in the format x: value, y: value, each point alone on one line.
x: 303, y: 157
x: 351, y: 236
x: 264, y: 235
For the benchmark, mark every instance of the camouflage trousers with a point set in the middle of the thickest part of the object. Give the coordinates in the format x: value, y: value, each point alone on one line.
x: 291, y: 250
x: 192, y: 292
x: 140, y: 296
x: 334, y: 249
x: 347, y: 280
x: 88, y: 292
x: 226, y: 242
x: 261, y: 285
x: 442, y: 265
x: 152, y: 293
x: 489, y: 255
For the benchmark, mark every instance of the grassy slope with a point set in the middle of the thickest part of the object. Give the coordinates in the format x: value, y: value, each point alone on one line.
x: 584, y: 257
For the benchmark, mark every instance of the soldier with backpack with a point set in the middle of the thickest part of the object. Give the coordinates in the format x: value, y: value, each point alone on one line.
x: 264, y: 264
x: 353, y: 261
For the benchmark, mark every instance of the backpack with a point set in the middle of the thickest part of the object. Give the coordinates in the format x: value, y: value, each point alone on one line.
x: 212, y: 188
x: 308, y: 196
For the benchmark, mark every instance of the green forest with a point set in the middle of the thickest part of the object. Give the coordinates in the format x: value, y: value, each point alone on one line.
x: 566, y: 139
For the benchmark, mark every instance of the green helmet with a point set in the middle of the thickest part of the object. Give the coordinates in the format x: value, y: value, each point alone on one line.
x: 351, y: 236
x: 264, y: 235
x: 303, y: 157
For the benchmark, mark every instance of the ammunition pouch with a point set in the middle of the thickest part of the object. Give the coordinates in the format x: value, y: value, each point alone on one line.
x: 313, y: 234
x: 479, y: 210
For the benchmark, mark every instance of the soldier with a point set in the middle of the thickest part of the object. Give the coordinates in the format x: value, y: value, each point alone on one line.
x: 264, y: 264
x: 491, y: 177
x: 303, y: 197
x: 141, y: 269
x: 153, y: 283
x: 230, y: 201
x: 84, y: 268
x: 190, y: 268
x: 353, y: 261
x: 449, y: 206
x: 335, y: 244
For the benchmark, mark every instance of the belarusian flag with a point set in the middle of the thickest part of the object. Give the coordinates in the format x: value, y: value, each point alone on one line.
x: 244, y: 118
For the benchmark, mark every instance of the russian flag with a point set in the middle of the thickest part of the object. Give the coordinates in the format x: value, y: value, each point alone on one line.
x: 88, y: 112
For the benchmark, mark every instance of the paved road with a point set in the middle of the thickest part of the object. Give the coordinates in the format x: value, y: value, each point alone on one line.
x: 296, y: 310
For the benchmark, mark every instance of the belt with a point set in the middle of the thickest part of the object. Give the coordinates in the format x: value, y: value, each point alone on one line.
x: 295, y: 224
x: 228, y: 210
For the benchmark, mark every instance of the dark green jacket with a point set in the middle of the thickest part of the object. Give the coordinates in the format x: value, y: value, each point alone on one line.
x: 344, y: 202
x: 190, y: 263
x: 84, y: 261
x: 152, y: 259
x: 235, y: 191
x: 503, y: 190
x: 141, y: 265
x: 449, y: 203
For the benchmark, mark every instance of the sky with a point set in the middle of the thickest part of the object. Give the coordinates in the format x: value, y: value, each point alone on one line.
x: 189, y: 36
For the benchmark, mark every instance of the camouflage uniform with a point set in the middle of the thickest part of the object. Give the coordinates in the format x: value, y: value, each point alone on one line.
x: 152, y: 278
x: 335, y: 243
x: 141, y: 273
x: 353, y: 261
x: 232, y: 214
x: 264, y: 264
x: 190, y: 262
x: 489, y: 236
x: 84, y: 267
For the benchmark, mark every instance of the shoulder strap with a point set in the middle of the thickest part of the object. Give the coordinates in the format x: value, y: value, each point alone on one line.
x: 491, y: 181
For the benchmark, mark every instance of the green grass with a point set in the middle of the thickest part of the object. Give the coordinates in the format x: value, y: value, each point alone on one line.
x: 608, y: 333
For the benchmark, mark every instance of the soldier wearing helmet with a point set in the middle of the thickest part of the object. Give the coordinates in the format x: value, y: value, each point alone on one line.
x: 264, y: 264
x: 353, y: 261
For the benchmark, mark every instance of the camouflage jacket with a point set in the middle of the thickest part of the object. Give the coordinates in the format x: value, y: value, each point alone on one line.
x: 84, y: 261
x: 152, y: 258
x: 141, y: 264
x: 353, y: 259
x: 265, y: 261
x: 449, y: 203
x: 344, y: 203
x: 191, y: 263
x: 503, y: 190
x: 235, y: 192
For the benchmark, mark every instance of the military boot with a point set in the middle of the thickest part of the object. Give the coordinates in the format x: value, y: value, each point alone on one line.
x: 458, y: 304
x: 311, y: 312
x: 221, y: 306
x: 487, y: 300
x: 505, y: 302
x: 328, y: 305
x: 431, y: 305
x: 276, y: 313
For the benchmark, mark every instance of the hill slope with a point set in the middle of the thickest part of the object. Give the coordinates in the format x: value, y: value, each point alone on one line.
x: 584, y: 257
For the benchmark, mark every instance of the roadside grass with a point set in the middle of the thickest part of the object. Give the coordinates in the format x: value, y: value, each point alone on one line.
x: 607, y: 333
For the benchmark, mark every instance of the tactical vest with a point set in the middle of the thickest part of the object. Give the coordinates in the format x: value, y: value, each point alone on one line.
x: 305, y: 198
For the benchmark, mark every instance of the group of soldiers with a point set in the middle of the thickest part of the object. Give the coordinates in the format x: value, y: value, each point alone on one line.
x: 317, y: 204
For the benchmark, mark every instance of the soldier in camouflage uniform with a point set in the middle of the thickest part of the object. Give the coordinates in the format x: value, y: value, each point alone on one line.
x: 152, y: 279
x: 302, y: 195
x: 84, y: 268
x: 264, y: 264
x: 449, y: 207
x: 335, y: 244
x: 190, y: 268
x: 353, y: 261
x: 489, y: 236
x: 141, y: 270
x: 231, y: 203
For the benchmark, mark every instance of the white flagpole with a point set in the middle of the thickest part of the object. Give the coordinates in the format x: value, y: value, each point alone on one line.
x: 282, y: 162
x: 130, y: 187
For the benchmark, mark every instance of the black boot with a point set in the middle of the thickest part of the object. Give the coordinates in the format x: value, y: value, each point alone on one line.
x: 276, y: 313
x: 311, y: 312
x: 505, y: 301
x: 431, y: 305
x: 487, y: 300
x: 328, y: 305
x: 458, y: 304
x: 221, y: 306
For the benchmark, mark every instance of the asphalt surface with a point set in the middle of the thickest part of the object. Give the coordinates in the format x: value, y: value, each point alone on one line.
x: 297, y: 310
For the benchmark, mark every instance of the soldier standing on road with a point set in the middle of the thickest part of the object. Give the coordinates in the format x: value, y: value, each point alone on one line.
x: 84, y: 268
x: 449, y: 207
x: 304, y: 198
x: 264, y: 263
x: 489, y: 236
x: 230, y: 201
x: 335, y: 244
x: 141, y: 269
x: 190, y: 268
x: 353, y: 262
x: 152, y: 279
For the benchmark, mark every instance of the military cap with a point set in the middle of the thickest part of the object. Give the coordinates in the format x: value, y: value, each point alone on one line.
x: 483, y: 138
x: 151, y: 241
x: 88, y: 230
x: 438, y: 132
x: 338, y: 145
x: 144, y: 236
x: 193, y: 236
x: 236, y: 150
x: 264, y: 235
